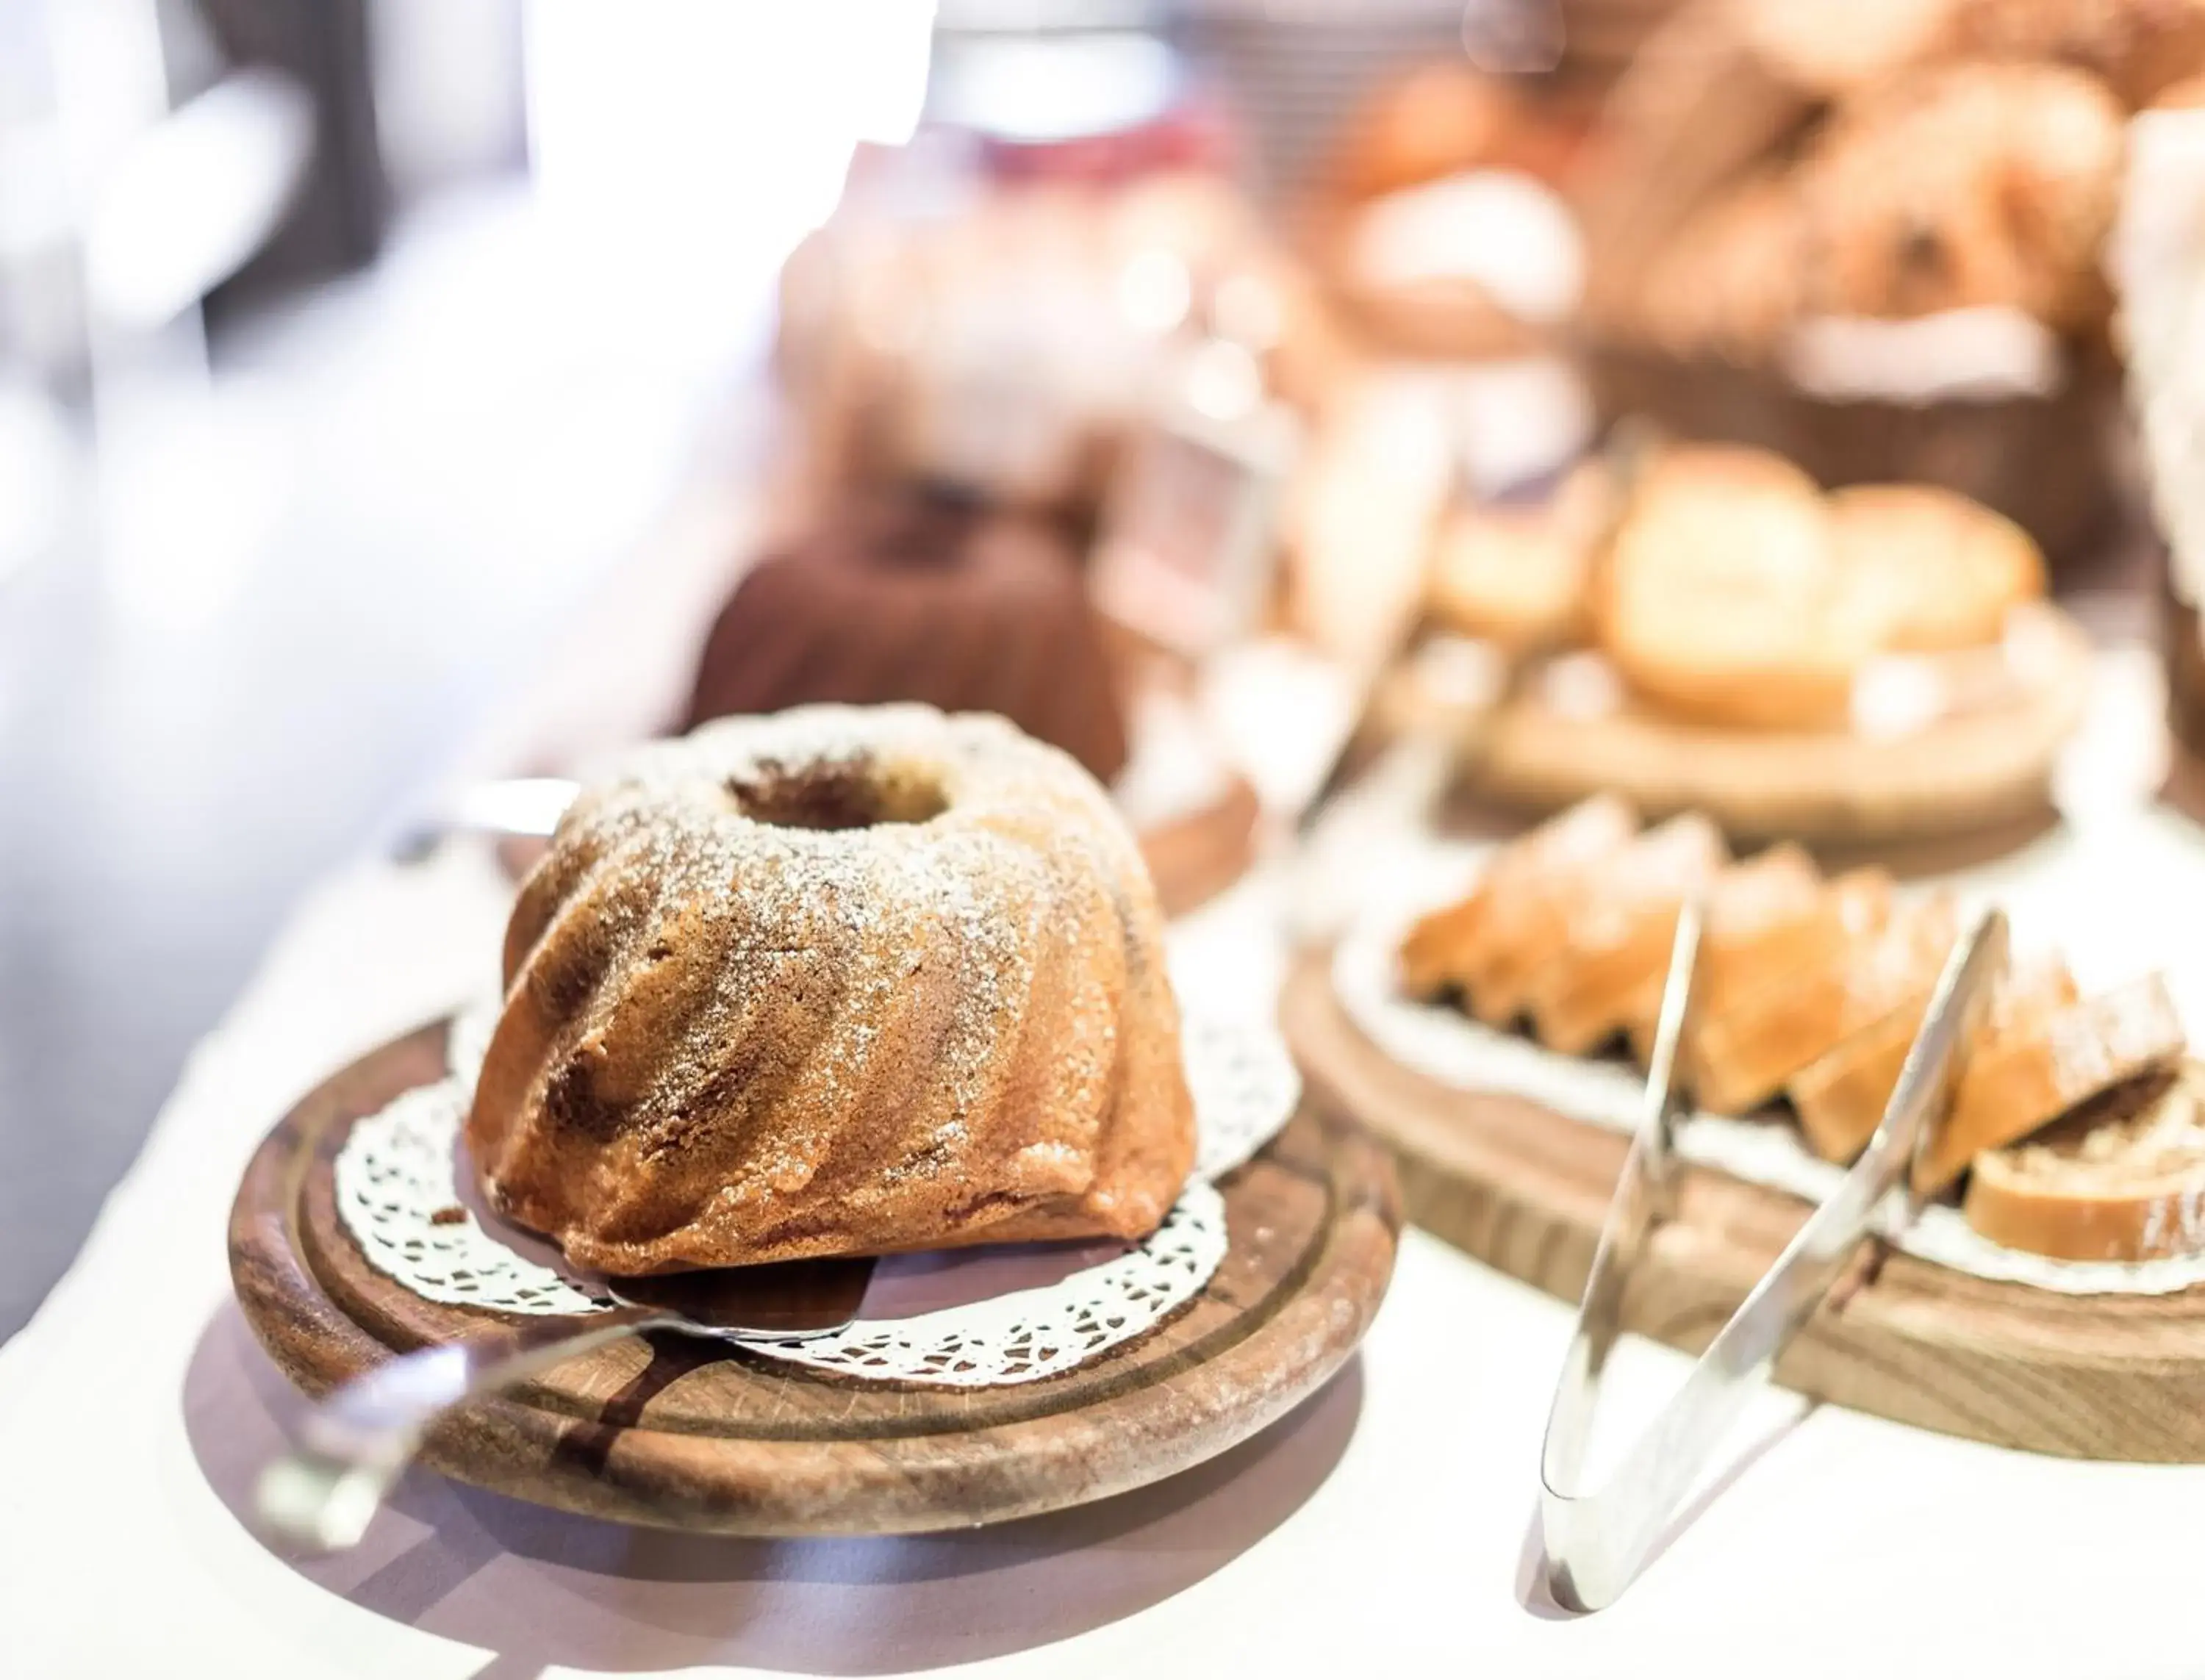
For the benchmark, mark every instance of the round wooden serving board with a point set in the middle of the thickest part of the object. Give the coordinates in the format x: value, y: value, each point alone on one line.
x: 1973, y: 771
x: 1194, y: 858
x: 693, y: 1435
x: 1525, y: 1190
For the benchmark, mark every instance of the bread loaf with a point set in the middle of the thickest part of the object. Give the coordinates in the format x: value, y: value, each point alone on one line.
x: 1446, y: 950
x: 1841, y: 1095
x: 1745, y: 1053
x: 2016, y: 1082
x: 2118, y: 1187
x: 1619, y: 938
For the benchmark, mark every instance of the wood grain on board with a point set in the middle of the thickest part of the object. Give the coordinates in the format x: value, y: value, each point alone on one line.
x: 1985, y: 767
x: 1525, y: 1190
x: 696, y: 1435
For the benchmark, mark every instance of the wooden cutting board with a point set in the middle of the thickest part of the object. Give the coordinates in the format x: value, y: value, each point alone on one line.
x: 694, y: 1435
x: 1194, y: 858
x: 1972, y: 771
x: 1525, y: 1190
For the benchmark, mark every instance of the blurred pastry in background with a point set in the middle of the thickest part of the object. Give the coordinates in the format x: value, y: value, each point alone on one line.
x: 1518, y: 574
x: 1009, y: 337
x: 1970, y: 185
x: 1732, y: 280
x: 1702, y: 627
x: 1940, y: 572
x: 1737, y: 593
x: 1439, y: 224
x: 1436, y: 120
x: 1720, y: 600
x: 914, y: 596
x: 1872, y: 237
x: 2139, y: 47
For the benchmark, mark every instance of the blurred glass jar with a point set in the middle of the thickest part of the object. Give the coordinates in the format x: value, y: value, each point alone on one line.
x: 1072, y: 93
x: 2157, y: 260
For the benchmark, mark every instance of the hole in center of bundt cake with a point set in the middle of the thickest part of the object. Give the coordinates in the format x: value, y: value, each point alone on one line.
x: 838, y: 796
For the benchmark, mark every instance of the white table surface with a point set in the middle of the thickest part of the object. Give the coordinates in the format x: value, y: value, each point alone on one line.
x: 1388, y: 1527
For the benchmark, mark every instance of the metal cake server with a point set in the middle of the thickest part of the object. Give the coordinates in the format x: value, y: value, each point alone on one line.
x: 321, y: 1494
x: 1598, y: 1539
x: 516, y: 807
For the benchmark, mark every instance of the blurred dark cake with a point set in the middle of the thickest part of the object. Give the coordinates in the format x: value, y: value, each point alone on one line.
x: 915, y: 597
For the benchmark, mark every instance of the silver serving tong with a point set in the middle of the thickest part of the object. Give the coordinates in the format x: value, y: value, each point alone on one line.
x: 1596, y: 1539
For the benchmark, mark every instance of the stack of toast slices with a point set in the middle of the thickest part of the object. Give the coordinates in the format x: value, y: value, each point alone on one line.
x: 2078, y: 1127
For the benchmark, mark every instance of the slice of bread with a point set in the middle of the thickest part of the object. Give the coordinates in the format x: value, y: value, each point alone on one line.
x: 1719, y: 601
x: 1736, y: 594
x: 2124, y: 1187
x: 2018, y: 1082
x: 1841, y: 1095
x: 1736, y: 975
x: 1620, y: 936
x: 1743, y: 1054
x: 1445, y: 950
x: 1520, y: 576
x: 1528, y: 928
x: 1934, y: 569
x: 1750, y: 907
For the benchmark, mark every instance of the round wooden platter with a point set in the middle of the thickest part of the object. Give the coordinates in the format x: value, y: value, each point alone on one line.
x: 1525, y: 1190
x: 1194, y: 857
x: 678, y: 1433
x: 1971, y: 771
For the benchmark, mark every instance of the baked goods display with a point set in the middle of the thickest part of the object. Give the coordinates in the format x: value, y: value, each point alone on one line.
x: 1009, y: 341
x: 1439, y: 225
x: 1720, y: 635
x: 835, y: 982
x: 1874, y: 238
x: 2139, y: 47
x: 2154, y: 267
x: 1735, y: 593
x: 1967, y: 185
x: 2074, y: 1118
x: 2126, y: 1185
x: 913, y: 596
x: 851, y: 969
x: 1519, y: 576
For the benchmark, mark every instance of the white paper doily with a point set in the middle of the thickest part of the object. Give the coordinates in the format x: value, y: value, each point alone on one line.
x: 396, y: 1194
x: 1448, y: 1046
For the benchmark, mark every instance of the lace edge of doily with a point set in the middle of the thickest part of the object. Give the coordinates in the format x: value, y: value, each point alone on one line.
x: 397, y: 1199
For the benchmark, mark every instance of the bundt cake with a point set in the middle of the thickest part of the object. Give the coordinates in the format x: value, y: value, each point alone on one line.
x: 837, y: 981
x: 915, y: 597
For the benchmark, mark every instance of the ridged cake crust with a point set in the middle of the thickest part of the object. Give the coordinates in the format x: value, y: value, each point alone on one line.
x: 838, y: 981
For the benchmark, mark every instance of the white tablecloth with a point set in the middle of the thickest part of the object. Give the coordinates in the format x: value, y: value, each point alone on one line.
x: 1388, y: 1527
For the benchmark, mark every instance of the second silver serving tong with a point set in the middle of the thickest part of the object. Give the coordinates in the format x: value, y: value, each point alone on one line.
x: 1597, y: 1538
